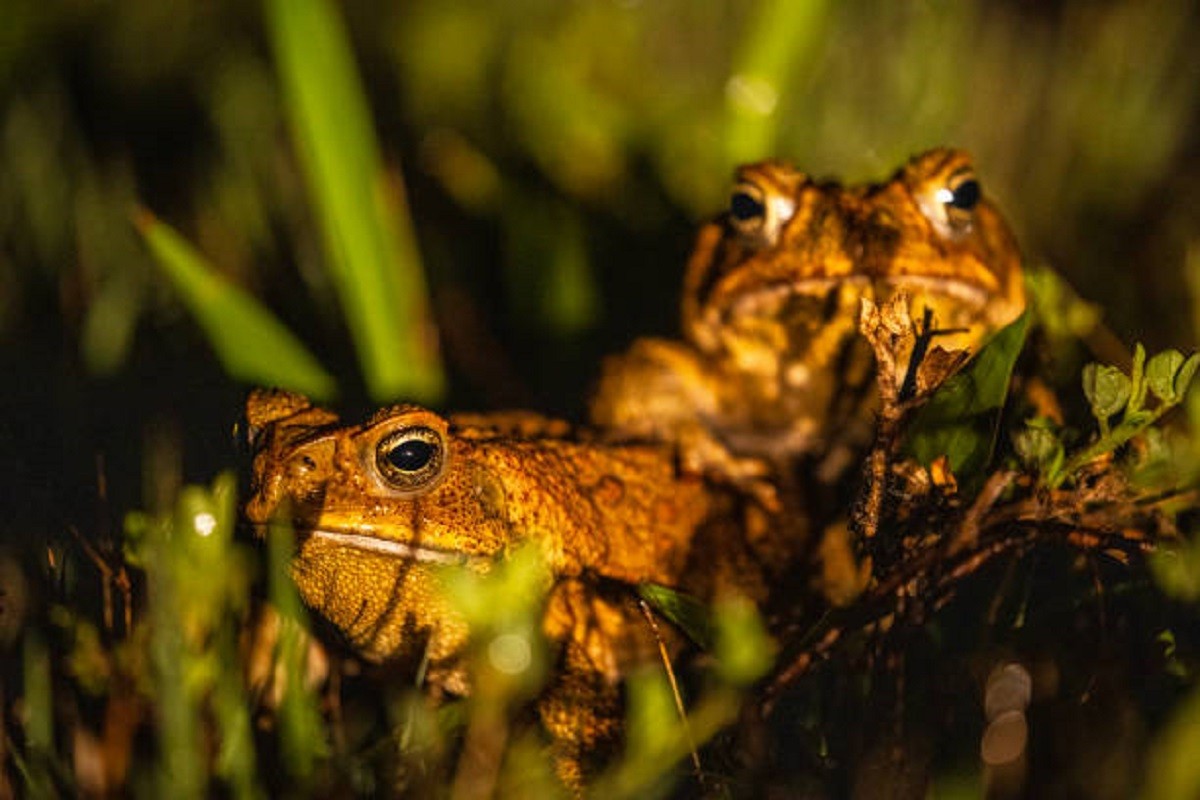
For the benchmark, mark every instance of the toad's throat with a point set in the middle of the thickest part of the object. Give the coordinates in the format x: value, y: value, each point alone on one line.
x: 389, y: 547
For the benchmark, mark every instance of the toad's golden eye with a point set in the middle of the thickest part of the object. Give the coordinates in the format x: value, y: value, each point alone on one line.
x: 411, y: 458
x: 952, y: 210
x: 758, y: 215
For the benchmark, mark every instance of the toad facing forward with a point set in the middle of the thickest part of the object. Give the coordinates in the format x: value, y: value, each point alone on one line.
x: 771, y: 365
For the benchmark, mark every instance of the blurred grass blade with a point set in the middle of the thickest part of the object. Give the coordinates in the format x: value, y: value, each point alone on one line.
x: 38, y: 696
x: 369, y: 243
x: 743, y: 648
x: 302, y: 734
x: 252, y: 345
x: 550, y: 278
x: 1172, y: 768
x: 780, y: 36
x: 180, y: 770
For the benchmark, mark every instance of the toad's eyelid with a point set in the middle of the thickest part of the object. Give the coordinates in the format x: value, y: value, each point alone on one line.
x: 313, y: 436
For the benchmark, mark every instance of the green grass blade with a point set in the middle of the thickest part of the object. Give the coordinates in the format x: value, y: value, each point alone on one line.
x: 251, y: 343
x: 780, y: 37
x: 302, y: 734
x: 370, y: 247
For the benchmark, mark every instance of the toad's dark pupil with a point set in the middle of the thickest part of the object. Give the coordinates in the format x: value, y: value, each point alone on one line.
x: 411, y: 455
x: 743, y: 206
x: 966, y: 195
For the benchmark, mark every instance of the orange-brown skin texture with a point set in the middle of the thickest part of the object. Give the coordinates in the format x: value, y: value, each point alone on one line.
x: 771, y: 364
x: 370, y: 551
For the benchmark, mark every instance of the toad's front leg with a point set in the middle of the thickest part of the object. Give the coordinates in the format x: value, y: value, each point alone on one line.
x: 663, y: 390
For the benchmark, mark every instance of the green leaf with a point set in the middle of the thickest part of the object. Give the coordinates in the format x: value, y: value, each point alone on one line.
x: 1137, y: 379
x: 1161, y: 372
x: 1135, y: 421
x: 1038, y: 447
x: 252, y: 345
x: 687, y: 612
x: 1107, y: 389
x: 1184, y: 375
x: 959, y: 420
x: 370, y: 247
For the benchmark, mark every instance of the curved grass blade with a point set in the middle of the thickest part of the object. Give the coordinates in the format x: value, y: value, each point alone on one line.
x: 369, y: 244
x: 251, y: 343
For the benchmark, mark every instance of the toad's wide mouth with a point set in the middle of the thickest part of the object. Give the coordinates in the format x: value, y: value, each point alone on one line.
x: 767, y: 299
x: 389, y: 547
x: 966, y: 291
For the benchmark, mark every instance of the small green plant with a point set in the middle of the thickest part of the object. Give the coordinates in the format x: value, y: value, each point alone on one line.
x: 1111, y: 394
x: 508, y: 660
x: 197, y: 578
